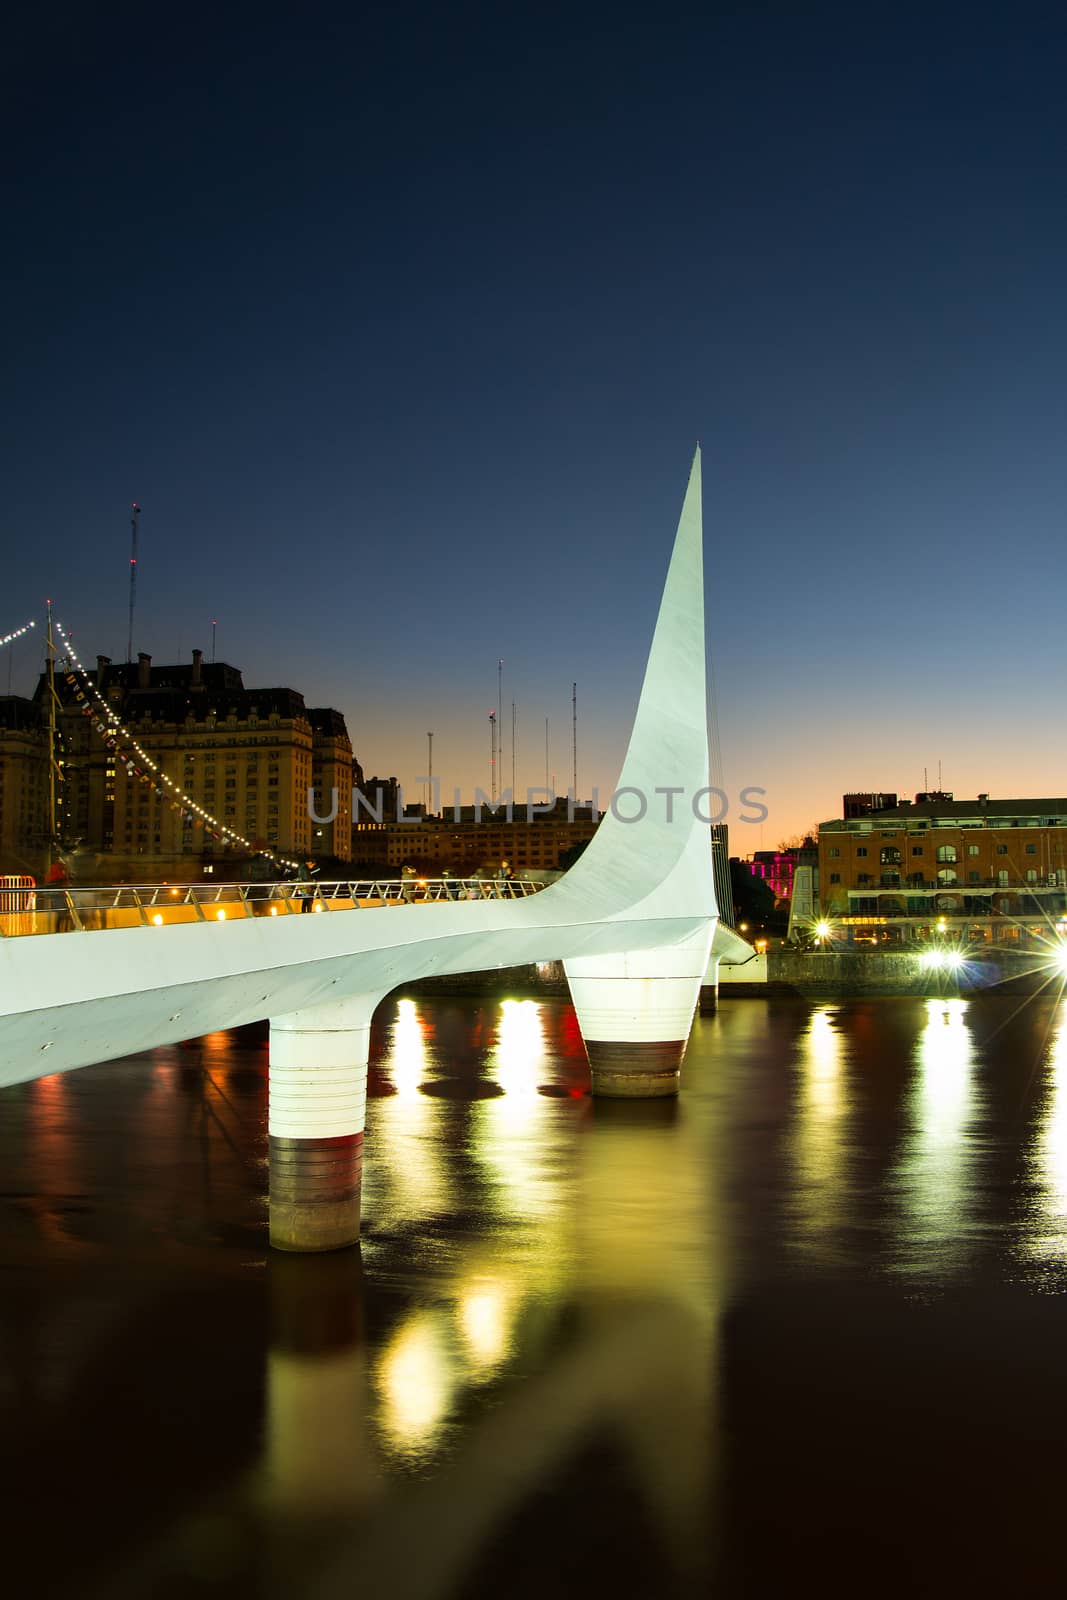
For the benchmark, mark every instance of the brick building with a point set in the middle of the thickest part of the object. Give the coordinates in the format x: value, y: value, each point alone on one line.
x: 994, y: 870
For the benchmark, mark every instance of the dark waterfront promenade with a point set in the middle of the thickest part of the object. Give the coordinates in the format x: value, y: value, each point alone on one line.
x: 804, y: 1328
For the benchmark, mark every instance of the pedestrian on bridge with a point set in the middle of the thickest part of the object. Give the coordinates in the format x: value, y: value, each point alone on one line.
x: 305, y: 884
x: 57, y: 885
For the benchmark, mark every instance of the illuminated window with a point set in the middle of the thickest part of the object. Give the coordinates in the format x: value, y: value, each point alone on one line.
x: 946, y: 852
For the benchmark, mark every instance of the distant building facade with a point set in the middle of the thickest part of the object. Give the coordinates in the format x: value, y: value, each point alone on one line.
x: 777, y: 868
x: 24, y: 828
x: 993, y: 869
x: 436, y: 844
x: 246, y: 756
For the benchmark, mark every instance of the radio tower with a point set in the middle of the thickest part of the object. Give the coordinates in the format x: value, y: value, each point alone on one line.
x: 492, y: 754
x: 135, y: 512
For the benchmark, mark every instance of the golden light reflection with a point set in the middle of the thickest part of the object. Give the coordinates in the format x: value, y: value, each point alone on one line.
x: 517, y: 1061
x: 935, y: 1172
x: 944, y: 1094
x: 486, y: 1311
x: 1048, y: 1239
x: 407, y: 1058
x: 506, y: 1137
x: 820, y: 1147
x: 822, y: 1080
x: 410, y: 1174
x: 416, y: 1378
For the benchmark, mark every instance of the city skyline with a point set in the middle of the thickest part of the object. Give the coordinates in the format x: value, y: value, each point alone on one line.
x: 405, y: 391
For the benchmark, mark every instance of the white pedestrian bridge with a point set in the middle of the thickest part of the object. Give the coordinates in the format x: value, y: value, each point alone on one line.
x: 634, y: 921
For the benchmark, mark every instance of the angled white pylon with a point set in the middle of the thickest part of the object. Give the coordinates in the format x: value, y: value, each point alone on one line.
x: 70, y: 999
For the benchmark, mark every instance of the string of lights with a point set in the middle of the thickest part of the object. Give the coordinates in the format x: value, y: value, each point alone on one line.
x: 9, y: 638
x: 179, y: 800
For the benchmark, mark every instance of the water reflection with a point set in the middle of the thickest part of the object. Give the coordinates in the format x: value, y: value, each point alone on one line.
x: 510, y: 1133
x: 1046, y: 1237
x: 820, y: 1148
x: 935, y: 1178
x: 416, y: 1379
x: 320, y: 1460
x: 407, y: 1178
x: 532, y: 1350
x: 487, y: 1309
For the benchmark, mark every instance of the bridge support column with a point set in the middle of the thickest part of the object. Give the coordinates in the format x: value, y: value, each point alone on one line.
x: 318, y: 1099
x: 709, y: 989
x: 635, y: 1011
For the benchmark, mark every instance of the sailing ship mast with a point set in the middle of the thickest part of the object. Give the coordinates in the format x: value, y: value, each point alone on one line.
x: 53, y: 765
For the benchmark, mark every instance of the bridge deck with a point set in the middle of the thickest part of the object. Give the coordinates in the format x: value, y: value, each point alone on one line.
x: 90, y: 910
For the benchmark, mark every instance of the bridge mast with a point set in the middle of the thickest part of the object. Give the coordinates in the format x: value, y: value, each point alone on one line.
x: 492, y: 755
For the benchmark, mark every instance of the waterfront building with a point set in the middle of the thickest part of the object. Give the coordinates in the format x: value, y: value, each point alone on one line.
x: 24, y: 830
x: 333, y: 773
x: 988, y: 870
x: 247, y: 756
x: 777, y: 868
x: 436, y: 844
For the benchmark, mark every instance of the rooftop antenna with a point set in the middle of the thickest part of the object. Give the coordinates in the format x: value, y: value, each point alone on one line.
x: 429, y: 774
x: 135, y: 512
x: 492, y: 755
x: 500, y: 725
x: 214, y: 625
x: 513, y: 748
x: 574, y: 738
x: 546, y: 752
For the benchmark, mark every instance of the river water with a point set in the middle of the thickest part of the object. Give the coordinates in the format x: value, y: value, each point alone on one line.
x: 804, y: 1328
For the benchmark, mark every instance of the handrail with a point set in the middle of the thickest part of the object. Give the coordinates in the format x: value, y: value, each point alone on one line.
x: 55, y: 909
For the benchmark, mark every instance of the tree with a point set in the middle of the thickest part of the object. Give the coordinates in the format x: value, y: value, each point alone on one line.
x: 569, y: 857
x: 753, y: 898
x: 801, y: 841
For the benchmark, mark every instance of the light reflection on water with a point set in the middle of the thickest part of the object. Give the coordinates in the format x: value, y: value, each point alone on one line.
x: 820, y: 1149
x: 1047, y: 1239
x: 541, y: 1275
x: 936, y: 1176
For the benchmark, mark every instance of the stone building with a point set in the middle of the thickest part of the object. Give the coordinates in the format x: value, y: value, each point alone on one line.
x: 24, y: 828
x: 246, y: 756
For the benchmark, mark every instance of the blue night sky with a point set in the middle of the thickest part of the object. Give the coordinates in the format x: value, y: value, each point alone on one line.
x: 401, y: 323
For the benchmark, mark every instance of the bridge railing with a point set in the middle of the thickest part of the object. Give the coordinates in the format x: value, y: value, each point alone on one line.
x: 89, y: 910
